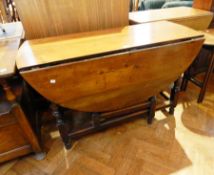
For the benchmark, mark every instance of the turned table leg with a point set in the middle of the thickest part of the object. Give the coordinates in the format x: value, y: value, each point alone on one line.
x: 62, y: 126
x: 151, y: 110
x: 174, y: 96
x: 185, y: 80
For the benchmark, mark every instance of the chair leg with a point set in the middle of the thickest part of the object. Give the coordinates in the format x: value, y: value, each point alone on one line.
x: 174, y: 96
x: 62, y: 126
x: 151, y: 110
x: 206, y: 79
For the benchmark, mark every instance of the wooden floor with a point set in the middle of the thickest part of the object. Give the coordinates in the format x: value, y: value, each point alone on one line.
x: 179, y: 144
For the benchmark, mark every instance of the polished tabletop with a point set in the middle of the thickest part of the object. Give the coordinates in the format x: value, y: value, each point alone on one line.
x: 79, y: 46
x: 176, y: 13
x: 9, y: 44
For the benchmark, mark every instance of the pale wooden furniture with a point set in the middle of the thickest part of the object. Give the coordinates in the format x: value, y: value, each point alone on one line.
x: 205, y: 5
x: 190, y: 17
x: 16, y: 135
x: 198, y: 68
x: 109, y: 70
x: 53, y: 17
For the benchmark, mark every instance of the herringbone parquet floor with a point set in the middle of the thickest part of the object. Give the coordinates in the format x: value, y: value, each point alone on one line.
x: 182, y: 144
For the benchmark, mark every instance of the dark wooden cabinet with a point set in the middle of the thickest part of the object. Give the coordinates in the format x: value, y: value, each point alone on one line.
x: 16, y: 136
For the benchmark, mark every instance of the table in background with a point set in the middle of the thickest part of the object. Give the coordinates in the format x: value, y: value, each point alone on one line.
x: 193, y: 18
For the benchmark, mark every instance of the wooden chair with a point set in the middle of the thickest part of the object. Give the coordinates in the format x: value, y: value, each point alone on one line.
x: 203, y: 64
x: 204, y: 61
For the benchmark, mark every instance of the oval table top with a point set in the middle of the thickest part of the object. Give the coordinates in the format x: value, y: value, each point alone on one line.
x: 43, y: 52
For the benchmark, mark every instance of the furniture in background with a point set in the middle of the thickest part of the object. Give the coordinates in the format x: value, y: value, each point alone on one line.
x: 187, y: 16
x: 8, y: 11
x: 53, y: 17
x: 199, y: 67
x: 3, y: 13
x: 134, y: 5
x: 205, y: 5
x: 16, y: 135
